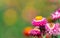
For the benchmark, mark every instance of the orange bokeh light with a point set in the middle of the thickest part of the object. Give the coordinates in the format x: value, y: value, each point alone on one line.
x: 26, y: 31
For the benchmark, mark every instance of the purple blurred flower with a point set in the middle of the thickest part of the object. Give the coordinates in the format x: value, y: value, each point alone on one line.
x: 39, y: 22
x: 56, y: 15
x: 53, y: 29
x: 35, y: 32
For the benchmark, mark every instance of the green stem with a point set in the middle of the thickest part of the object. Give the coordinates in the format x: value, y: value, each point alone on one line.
x: 58, y: 20
x: 54, y: 36
x: 44, y: 36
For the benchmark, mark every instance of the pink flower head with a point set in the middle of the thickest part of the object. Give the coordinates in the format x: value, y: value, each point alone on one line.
x: 56, y: 15
x: 35, y: 32
x: 41, y: 22
x: 53, y: 29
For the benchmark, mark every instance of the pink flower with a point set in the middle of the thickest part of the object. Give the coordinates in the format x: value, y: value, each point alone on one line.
x: 39, y: 22
x: 52, y: 28
x: 56, y: 15
x: 35, y: 32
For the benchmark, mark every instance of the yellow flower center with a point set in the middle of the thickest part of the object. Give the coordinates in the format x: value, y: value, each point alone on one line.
x: 38, y: 17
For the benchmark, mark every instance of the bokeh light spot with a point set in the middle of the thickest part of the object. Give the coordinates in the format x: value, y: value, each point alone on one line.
x: 29, y: 13
x: 10, y: 17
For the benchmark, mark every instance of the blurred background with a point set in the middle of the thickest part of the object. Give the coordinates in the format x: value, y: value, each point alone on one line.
x: 15, y: 15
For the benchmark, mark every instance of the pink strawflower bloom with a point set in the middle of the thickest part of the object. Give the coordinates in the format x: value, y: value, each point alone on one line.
x: 52, y: 29
x: 35, y: 32
x: 56, y: 15
x: 39, y: 22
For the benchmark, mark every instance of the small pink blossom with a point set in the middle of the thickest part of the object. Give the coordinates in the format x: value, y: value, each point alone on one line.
x: 56, y: 15
x: 53, y: 30
x: 35, y: 32
x: 39, y: 22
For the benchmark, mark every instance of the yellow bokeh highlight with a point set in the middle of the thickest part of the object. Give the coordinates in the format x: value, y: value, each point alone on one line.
x: 10, y: 16
x: 38, y: 17
x: 29, y: 13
